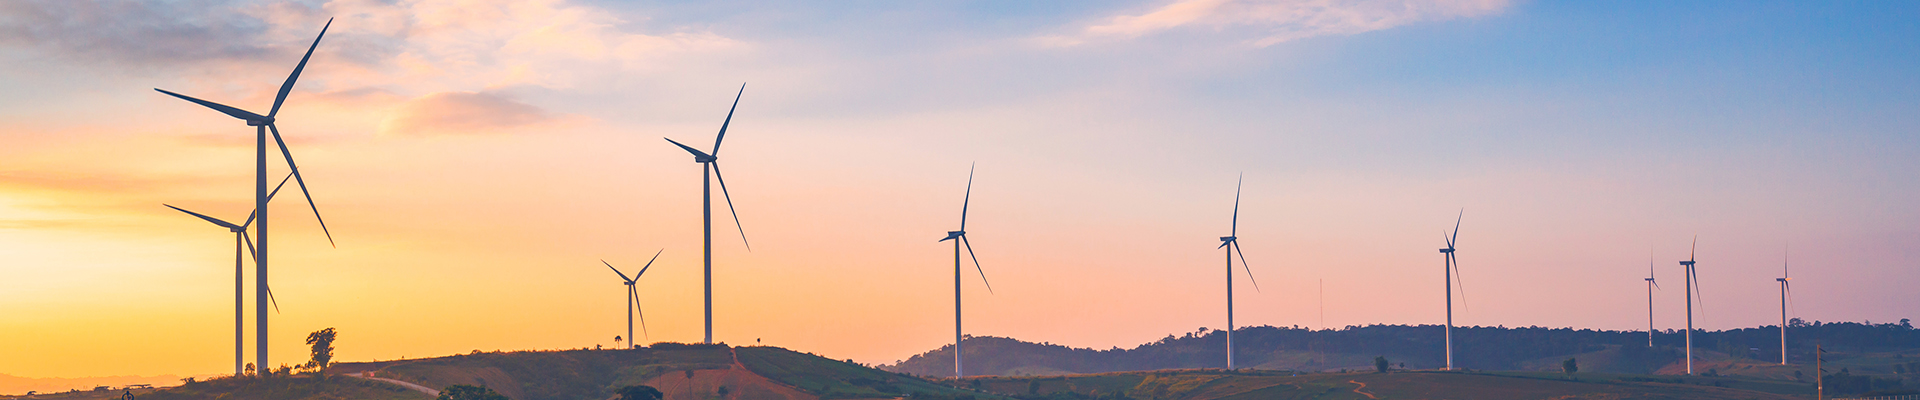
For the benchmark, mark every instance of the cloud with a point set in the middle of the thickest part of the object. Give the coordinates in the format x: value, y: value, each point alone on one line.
x: 131, y: 31
x: 463, y: 113
x: 1281, y: 20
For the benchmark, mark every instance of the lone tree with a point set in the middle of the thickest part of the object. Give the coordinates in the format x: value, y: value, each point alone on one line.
x: 640, y: 392
x: 470, y: 392
x: 1381, y: 365
x: 322, y: 342
x: 1570, y: 366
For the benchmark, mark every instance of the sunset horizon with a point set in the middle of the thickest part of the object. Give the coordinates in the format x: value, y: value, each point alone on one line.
x: 480, y: 164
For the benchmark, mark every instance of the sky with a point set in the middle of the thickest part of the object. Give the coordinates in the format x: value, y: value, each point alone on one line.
x: 476, y: 160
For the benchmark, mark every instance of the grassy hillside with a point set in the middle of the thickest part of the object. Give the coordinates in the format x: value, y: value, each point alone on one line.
x: 302, y: 387
x: 832, y: 379
x: 679, y: 371
x: 1218, y: 384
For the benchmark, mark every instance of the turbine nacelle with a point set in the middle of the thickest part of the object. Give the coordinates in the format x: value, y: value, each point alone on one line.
x: 1446, y: 250
x: 1686, y: 263
x: 951, y: 235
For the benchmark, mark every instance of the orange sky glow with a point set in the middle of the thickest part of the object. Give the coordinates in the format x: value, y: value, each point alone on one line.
x: 475, y: 160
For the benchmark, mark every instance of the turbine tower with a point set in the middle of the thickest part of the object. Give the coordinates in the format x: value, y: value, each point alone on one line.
x: 1651, y: 286
x: 1451, y: 275
x: 959, y: 238
x: 240, y: 238
x: 262, y: 124
x: 710, y: 163
x: 1692, y: 288
x: 1786, y: 297
x: 633, y: 297
x: 1232, y: 244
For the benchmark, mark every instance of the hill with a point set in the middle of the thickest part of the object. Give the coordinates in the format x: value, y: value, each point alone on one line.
x: 297, y: 387
x: 679, y: 370
x: 1421, y: 347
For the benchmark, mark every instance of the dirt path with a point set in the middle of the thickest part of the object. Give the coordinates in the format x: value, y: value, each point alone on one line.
x: 1363, y: 385
x: 410, y: 385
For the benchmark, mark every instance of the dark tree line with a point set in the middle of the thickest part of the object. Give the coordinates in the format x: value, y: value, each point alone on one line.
x: 1418, y: 346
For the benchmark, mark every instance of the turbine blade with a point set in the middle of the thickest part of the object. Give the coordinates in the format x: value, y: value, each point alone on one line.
x: 276, y: 302
x: 1695, y: 247
x: 643, y: 270
x: 215, y: 221
x: 1243, y: 264
x: 976, y: 263
x: 642, y: 313
x: 1698, y: 299
x: 616, y: 271
x: 288, y: 87
x: 736, y: 214
x: 696, y: 152
x: 1236, y: 205
x: 1456, y: 228
x: 965, y: 201
x: 723, y: 125
x: 276, y: 190
x: 1223, y: 244
x: 1789, y: 289
x: 1656, y: 285
x: 1457, y: 281
x: 250, y: 250
x: 234, y: 112
x: 303, y: 183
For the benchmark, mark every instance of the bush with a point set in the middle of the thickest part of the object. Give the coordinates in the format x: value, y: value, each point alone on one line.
x: 640, y: 392
x: 470, y: 392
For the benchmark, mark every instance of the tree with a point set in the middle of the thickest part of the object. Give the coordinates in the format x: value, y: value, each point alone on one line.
x: 1380, y: 364
x: 640, y: 392
x: 322, y: 343
x: 1570, y: 366
x: 470, y: 392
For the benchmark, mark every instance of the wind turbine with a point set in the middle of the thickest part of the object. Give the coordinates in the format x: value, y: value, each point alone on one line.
x: 959, y: 238
x: 1786, y: 296
x: 239, y: 238
x: 633, y: 297
x: 1693, y: 287
x: 1651, y: 285
x: 1232, y: 244
x: 710, y: 163
x: 262, y: 124
x: 1451, y: 274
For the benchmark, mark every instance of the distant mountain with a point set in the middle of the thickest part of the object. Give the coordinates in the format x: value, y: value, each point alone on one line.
x: 10, y: 384
x: 1415, y: 346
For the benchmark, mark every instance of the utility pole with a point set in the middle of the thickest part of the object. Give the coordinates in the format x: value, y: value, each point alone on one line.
x: 1819, y: 374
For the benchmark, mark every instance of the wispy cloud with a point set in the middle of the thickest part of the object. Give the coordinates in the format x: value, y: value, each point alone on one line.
x: 463, y: 113
x: 130, y: 32
x: 1277, y: 21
